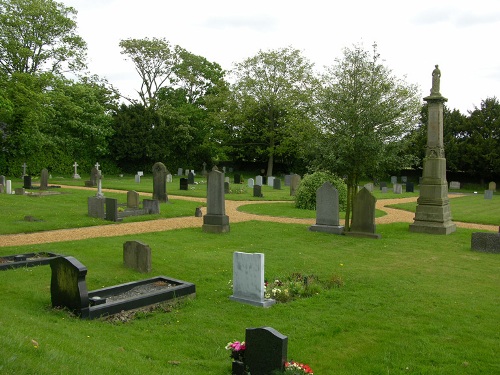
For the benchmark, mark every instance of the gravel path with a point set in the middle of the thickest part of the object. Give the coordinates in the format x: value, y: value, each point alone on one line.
x: 235, y: 216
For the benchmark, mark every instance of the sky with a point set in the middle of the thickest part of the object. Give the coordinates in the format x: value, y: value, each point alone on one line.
x: 411, y: 37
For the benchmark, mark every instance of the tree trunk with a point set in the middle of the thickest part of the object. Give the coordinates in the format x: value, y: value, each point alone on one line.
x: 347, y: 224
x: 270, y: 163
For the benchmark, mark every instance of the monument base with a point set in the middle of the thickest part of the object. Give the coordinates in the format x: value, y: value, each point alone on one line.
x: 433, y: 227
x: 332, y: 229
x: 264, y: 303
x: 375, y: 236
x: 215, y: 223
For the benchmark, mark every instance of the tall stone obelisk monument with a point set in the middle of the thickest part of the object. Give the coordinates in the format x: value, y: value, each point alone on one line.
x: 433, y: 213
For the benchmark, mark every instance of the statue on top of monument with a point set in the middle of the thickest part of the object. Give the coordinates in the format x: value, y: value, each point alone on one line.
x: 436, y: 77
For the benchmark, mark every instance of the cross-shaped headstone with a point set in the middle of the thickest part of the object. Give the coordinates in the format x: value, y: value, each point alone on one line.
x: 99, y: 184
x: 24, y: 169
x: 97, y: 165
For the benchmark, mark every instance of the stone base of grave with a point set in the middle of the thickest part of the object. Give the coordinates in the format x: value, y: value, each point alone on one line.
x: 363, y: 235
x: 215, y: 223
x: 264, y: 303
x: 430, y: 227
x: 332, y: 229
x: 486, y: 242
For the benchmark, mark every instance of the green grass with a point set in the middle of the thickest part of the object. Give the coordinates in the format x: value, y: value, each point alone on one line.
x: 411, y: 304
x: 69, y: 210
x: 468, y: 209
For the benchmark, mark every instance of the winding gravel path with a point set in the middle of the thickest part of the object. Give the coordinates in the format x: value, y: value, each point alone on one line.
x: 235, y: 216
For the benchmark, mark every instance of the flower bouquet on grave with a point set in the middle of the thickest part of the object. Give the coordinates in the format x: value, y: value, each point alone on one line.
x: 237, y: 349
x: 296, y: 368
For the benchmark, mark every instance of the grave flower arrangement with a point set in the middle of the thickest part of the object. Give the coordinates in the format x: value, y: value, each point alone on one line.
x: 296, y: 368
x: 237, y: 349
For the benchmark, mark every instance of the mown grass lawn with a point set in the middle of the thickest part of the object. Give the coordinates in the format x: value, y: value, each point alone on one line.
x: 411, y: 304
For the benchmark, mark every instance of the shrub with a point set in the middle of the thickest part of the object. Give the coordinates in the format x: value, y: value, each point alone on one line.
x: 305, y: 197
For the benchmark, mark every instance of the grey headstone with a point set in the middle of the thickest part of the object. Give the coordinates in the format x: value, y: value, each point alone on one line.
x: 294, y: 184
x: 385, y: 189
x: 266, y: 350
x: 410, y: 187
x: 96, y: 207
x: 363, y: 216
x: 248, y: 279
x: 190, y: 178
x: 132, y: 199
x: 2, y: 180
x: 215, y: 220
x: 179, y: 171
x: 383, y: 185
x: 137, y: 178
x: 226, y: 187
x: 485, y: 242
x: 169, y: 177
x: 151, y: 206
x: 111, y: 209
x: 277, y: 184
x: 491, y: 186
x: 250, y: 182
x: 197, y: 212
x: 257, y: 191
x: 488, y: 194
x: 183, y: 184
x: 394, y: 179
x: 2, y: 189
x: 270, y: 181
x: 327, y: 210
x: 94, y: 175
x: 288, y: 179
x: 27, y: 182
x: 68, y: 288
x: 160, y: 182
x: 258, y: 180
x: 44, y: 179
x: 404, y: 179
x: 397, y: 189
x: 19, y: 191
x: 137, y: 255
x: 227, y: 179
x: 454, y: 185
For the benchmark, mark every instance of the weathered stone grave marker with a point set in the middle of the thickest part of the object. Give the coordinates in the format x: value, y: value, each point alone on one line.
x: 75, y: 176
x: 363, y: 223
x: 486, y: 242
x: 410, y: 187
x: 258, y: 180
x: 492, y: 186
x: 27, y: 182
x: 294, y: 184
x: 277, y: 184
x: 132, y: 199
x: 137, y: 255
x: 183, y: 184
x: 190, y: 178
x: 250, y: 182
x: 160, y: 182
x: 488, y: 194
x: 215, y: 220
x: 454, y: 185
x: 257, y: 191
x: 327, y: 210
x: 44, y: 179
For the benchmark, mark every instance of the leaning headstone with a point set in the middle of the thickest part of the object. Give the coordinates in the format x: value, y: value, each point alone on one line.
x: 248, y: 279
x: 394, y: 179
x: 250, y: 182
x: 111, y: 209
x: 288, y: 179
x: 95, y: 207
x: 492, y: 186
x: 294, y: 184
x: 397, y: 189
x: 258, y: 180
x: 270, y: 181
x: 8, y: 187
x: 485, y: 242
x: 27, y: 182
x: 266, y: 351
x: 215, y: 220
x: 132, y: 199
x: 190, y: 178
x: 137, y: 255
x: 454, y: 185
x: 44, y: 179
x: 67, y: 286
x: 179, y: 172
x: 410, y: 187
x: 257, y: 191
x: 19, y: 191
x: 183, y: 184
x: 488, y: 194
x: 237, y: 178
x: 363, y: 216
x: 160, y: 182
x: 327, y: 210
x: 277, y: 184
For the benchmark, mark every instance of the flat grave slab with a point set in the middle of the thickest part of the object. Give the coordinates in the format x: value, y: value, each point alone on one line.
x: 26, y: 260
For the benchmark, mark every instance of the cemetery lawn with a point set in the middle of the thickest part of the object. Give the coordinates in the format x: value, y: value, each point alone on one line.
x: 468, y: 209
x: 69, y: 210
x: 411, y: 304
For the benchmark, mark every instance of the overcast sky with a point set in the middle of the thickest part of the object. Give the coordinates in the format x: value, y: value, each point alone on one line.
x: 412, y: 36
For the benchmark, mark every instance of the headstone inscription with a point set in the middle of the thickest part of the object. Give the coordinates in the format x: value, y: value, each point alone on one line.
x: 294, y: 184
x: 266, y: 351
x: 363, y: 216
x: 492, y: 186
x: 488, y: 194
x: 27, y: 182
x: 160, y: 182
x: 137, y: 255
x: 248, y: 279
x: 191, y: 178
x: 215, y: 220
x: 44, y: 179
x: 257, y: 191
x: 132, y: 199
x: 183, y: 184
x: 327, y: 210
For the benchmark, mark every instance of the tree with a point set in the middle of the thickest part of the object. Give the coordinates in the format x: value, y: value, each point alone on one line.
x: 155, y: 60
x: 39, y: 36
x: 364, y: 112
x: 272, y: 101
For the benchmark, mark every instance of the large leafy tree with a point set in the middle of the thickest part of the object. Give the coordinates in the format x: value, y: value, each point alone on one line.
x: 364, y: 113
x: 271, y: 104
x: 39, y: 36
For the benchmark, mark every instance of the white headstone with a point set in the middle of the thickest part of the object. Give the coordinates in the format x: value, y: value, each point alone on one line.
x: 140, y: 173
x: 137, y: 178
x: 8, y: 187
x: 250, y: 182
x: 76, y: 176
x: 454, y: 185
x: 248, y: 279
x: 169, y: 177
x: 179, y: 172
x: 258, y: 180
x: 226, y: 179
x: 270, y: 181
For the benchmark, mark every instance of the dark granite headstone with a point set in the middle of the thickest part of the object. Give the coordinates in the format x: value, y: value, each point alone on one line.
x: 160, y: 182
x: 410, y: 187
x: 277, y: 184
x: 363, y: 216
x: 183, y: 184
x: 68, y: 287
x: 237, y: 178
x: 44, y: 179
x: 383, y: 184
x: 190, y: 178
x: 485, y: 242
x: 27, y: 182
x: 257, y: 191
x: 266, y: 350
x: 111, y: 209
x: 137, y: 255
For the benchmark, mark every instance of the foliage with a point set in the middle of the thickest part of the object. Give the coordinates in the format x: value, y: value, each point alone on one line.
x: 364, y: 113
x: 270, y: 105
x: 39, y: 36
x: 305, y: 196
